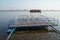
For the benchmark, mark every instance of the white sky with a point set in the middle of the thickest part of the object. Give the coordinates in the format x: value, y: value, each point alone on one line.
x: 30, y: 4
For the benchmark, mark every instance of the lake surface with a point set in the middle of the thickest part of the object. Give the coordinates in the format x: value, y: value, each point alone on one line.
x: 5, y: 17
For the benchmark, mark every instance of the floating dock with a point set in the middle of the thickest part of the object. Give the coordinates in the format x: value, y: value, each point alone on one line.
x: 24, y: 23
x: 28, y: 22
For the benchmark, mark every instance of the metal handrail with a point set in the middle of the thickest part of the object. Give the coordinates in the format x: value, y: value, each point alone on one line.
x: 37, y: 20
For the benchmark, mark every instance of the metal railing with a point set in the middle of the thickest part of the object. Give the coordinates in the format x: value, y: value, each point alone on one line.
x: 26, y: 20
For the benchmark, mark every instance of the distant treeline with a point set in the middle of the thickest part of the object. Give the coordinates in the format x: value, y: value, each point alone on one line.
x: 25, y: 10
x: 13, y: 10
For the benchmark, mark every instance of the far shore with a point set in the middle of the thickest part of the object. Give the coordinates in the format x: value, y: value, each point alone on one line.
x: 28, y: 9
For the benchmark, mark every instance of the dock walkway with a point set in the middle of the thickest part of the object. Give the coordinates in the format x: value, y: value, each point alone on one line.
x: 41, y: 34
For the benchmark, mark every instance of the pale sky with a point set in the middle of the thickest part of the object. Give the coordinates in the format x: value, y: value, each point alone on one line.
x: 30, y: 4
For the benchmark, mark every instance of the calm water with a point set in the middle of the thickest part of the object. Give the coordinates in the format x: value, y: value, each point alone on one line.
x: 5, y: 17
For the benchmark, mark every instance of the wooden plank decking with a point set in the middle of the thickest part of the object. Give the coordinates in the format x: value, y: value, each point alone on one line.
x: 41, y: 34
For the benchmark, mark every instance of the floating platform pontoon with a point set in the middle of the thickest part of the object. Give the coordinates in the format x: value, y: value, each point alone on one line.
x: 27, y: 22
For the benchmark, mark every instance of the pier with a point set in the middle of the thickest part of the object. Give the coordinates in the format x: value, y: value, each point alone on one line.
x: 29, y: 25
x: 34, y: 22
